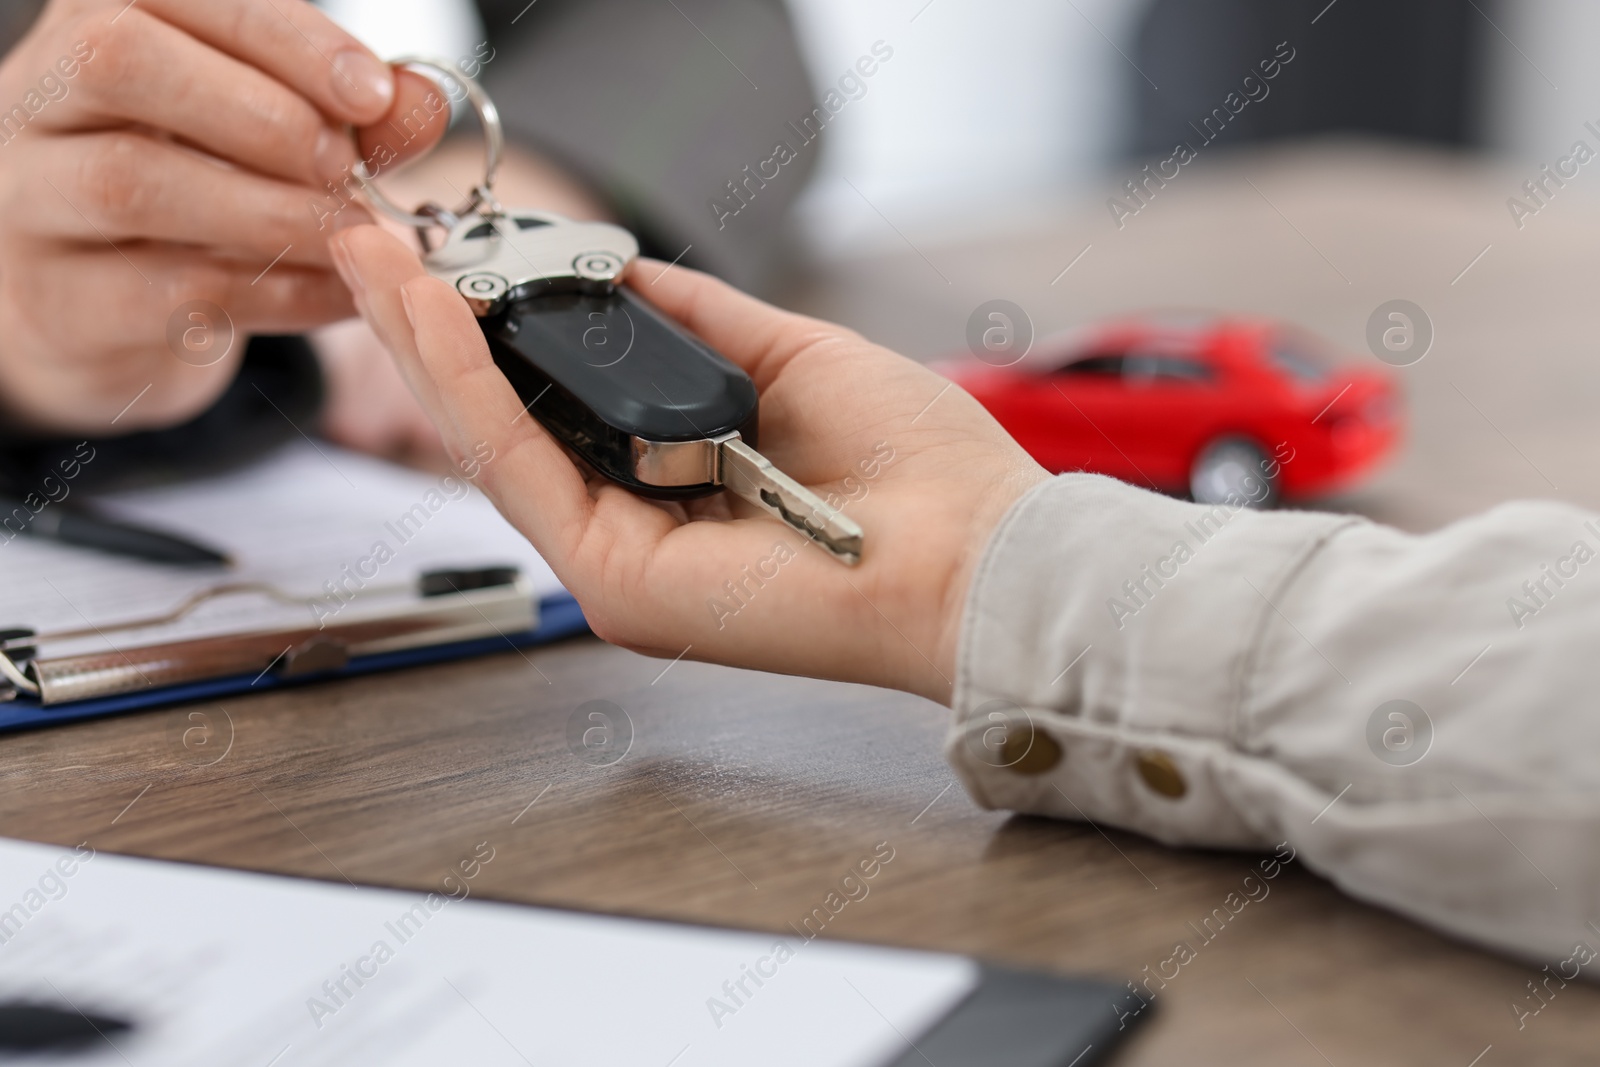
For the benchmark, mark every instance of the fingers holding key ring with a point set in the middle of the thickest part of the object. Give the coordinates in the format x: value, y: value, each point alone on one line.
x: 482, y: 198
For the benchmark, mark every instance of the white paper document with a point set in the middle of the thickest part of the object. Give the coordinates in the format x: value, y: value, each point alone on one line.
x: 320, y: 524
x: 217, y: 968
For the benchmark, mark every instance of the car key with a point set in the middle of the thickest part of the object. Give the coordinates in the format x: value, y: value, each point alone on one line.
x: 640, y: 399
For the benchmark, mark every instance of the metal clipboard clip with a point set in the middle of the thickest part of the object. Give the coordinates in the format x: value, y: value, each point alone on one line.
x: 442, y: 607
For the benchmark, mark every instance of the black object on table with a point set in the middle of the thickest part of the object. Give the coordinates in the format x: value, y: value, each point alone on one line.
x: 28, y: 1027
x: 73, y: 525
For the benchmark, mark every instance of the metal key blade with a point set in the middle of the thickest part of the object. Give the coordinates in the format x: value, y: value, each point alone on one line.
x: 750, y: 474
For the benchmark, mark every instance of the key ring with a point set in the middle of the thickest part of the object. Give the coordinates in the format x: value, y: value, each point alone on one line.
x: 482, y: 198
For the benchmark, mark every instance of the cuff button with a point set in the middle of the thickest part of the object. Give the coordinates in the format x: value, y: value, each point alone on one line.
x: 1030, y: 752
x: 1161, y: 774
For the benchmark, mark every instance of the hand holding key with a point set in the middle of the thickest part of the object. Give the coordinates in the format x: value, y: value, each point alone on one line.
x: 716, y: 578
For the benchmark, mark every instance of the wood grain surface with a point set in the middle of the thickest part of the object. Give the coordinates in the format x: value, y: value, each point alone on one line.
x: 744, y: 798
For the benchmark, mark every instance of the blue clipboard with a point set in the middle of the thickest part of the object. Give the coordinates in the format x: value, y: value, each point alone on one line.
x: 558, y: 616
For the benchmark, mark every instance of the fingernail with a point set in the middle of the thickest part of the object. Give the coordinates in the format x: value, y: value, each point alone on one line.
x: 362, y: 82
x: 405, y: 302
x: 345, y: 265
x: 352, y: 215
x: 334, y: 155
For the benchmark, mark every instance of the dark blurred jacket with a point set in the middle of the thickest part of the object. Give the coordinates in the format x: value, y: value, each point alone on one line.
x: 631, y: 95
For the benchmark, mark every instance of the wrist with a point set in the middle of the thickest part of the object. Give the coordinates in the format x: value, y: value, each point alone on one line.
x: 936, y: 606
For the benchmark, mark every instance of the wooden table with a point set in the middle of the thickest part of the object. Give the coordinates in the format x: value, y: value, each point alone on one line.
x: 745, y: 797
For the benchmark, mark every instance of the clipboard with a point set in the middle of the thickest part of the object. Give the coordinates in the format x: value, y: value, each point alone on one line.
x: 97, y: 634
x: 41, y: 688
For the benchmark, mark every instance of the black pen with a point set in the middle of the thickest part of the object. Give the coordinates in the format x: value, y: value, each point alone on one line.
x: 87, y: 529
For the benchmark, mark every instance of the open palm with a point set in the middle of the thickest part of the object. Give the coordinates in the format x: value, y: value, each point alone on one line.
x: 918, y: 463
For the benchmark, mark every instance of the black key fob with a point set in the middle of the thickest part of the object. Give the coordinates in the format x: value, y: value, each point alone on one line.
x: 626, y: 388
x: 633, y: 393
x: 641, y: 400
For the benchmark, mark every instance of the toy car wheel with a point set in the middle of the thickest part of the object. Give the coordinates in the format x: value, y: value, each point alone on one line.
x: 1233, y: 470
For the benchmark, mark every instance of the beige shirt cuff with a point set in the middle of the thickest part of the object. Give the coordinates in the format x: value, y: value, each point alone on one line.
x: 1219, y: 676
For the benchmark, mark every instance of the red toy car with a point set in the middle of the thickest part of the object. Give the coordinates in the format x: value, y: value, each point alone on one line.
x: 1215, y: 409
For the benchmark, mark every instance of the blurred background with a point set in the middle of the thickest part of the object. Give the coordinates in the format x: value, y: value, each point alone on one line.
x: 993, y: 107
x: 1380, y: 165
